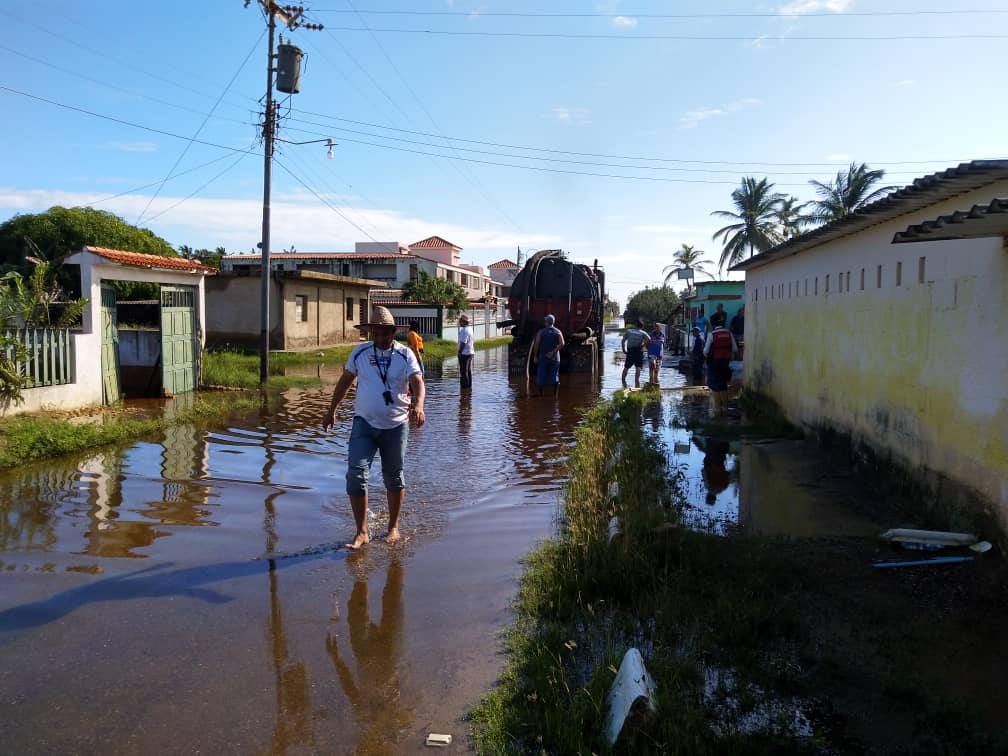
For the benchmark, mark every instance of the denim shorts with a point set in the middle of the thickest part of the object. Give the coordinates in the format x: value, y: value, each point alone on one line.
x: 365, y: 440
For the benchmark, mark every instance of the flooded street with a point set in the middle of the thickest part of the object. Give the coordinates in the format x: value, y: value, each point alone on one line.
x: 188, y: 593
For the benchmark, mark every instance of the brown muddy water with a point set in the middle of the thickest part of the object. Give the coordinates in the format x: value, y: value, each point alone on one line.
x: 188, y: 592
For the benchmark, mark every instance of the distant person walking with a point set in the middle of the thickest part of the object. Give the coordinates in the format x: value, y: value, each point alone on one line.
x: 384, y: 370
x: 465, y: 351
x: 415, y: 342
x: 634, y: 341
x: 701, y: 323
x: 655, y: 348
x: 737, y: 329
x: 546, y: 352
x: 719, y: 350
x: 697, y: 355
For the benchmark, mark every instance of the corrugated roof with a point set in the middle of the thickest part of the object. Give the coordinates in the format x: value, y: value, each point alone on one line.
x: 979, y: 221
x: 924, y: 191
x: 140, y: 260
x: 433, y: 241
x: 503, y: 264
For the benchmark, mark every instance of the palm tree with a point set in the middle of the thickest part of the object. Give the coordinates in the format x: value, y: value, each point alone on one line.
x: 687, y: 256
x: 789, y: 216
x: 756, y: 213
x: 846, y: 193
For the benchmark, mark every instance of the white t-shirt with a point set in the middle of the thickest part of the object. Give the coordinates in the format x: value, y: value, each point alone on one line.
x: 465, y: 340
x: 368, y: 363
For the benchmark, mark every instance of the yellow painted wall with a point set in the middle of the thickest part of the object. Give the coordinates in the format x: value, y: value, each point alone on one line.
x: 918, y: 370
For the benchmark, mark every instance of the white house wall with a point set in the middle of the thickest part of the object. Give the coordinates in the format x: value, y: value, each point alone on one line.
x: 918, y: 369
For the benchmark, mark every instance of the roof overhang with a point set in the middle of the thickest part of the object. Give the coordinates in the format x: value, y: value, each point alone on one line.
x: 978, y: 222
x: 923, y: 192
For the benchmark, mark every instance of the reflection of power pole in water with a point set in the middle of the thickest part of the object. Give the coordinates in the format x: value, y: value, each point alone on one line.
x: 375, y: 694
x: 290, y: 682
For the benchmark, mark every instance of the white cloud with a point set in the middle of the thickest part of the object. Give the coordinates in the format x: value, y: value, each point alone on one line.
x: 803, y: 7
x: 672, y: 229
x: 761, y: 42
x: 691, y: 118
x: 130, y: 146
x: 839, y: 157
x: 904, y: 83
x: 624, y: 22
x: 577, y: 116
x: 304, y: 222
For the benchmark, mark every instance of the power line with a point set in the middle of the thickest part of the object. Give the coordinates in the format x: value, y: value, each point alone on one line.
x: 617, y: 157
x: 324, y: 201
x: 474, y: 180
x: 628, y: 14
x: 678, y: 37
x: 118, y: 61
x: 199, y: 189
x: 198, y: 130
x: 116, y: 120
x: 733, y: 171
x: 155, y: 183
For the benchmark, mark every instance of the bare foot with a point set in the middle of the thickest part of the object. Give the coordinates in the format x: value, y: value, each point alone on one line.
x: 358, y: 541
x: 393, y: 535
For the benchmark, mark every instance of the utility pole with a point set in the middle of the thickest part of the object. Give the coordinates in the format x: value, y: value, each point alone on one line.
x: 292, y: 17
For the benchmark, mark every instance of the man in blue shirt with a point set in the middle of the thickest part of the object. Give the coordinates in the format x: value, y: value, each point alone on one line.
x: 546, y: 352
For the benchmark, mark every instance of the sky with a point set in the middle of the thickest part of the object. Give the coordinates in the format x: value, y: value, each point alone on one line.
x: 609, y: 129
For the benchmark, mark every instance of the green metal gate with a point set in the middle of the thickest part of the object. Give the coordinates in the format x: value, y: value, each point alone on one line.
x: 178, y: 339
x: 109, y: 346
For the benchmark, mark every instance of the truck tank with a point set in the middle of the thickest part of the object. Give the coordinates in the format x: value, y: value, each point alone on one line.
x: 574, y: 294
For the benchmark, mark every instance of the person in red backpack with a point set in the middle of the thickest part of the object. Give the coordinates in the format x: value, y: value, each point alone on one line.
x: 719, y: 350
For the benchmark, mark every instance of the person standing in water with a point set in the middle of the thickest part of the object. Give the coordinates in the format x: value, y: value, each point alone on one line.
x: 465, y: 351
x: 546, y: 352
x: 384, y: 370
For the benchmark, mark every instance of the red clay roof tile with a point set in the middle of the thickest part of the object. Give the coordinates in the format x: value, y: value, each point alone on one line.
x: 141, y: 260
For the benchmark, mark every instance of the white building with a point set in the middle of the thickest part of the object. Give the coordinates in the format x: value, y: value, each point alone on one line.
x: 897, y: 346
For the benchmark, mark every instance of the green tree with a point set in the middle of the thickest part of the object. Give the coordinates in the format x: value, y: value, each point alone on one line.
x: 755, y: 229
x: 651, y: 304
x: 439, y: 291
x: 789, y: 216
x: 687, y: 256
x: 846, y: 193
x: 60, y: 231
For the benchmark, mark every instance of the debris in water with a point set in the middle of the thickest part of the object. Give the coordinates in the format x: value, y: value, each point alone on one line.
x: 613, y: 528
x: 632, y: 690
x: 927, y: 539
x: 438, y: 740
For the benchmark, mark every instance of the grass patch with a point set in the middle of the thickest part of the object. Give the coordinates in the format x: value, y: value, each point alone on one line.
x: 235, y: 369
x: 25, y: 438
x: 757, y: 646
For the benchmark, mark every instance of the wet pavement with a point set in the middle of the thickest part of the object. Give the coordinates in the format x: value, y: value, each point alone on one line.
x: 188, y: 592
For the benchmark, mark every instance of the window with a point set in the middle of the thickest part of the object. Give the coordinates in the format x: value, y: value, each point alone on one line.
x: 349, y: 308
x: 862, y: 279
x: 301, y: 308
x: 789, y: 290
x: 413, y: 272
x: 345, y: 269
x: 847, y: 282
x: 878, y: 277
x: 920, y: 269
x: 806, y: 287
x: 899, y: 274
x: 816, y: 292
x: 827, y: 283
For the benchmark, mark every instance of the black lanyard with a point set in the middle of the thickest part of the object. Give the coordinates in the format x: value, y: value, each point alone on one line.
x: 377, y: 361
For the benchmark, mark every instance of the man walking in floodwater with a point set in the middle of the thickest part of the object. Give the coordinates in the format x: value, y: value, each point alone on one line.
x: 634, y: 343
x: 384, y: 369
x: 546, y: 351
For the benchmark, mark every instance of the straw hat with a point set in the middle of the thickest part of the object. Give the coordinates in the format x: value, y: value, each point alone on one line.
x: 380, y: 316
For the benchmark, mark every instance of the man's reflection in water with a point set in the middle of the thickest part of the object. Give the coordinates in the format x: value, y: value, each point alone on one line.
x: 377, y: 648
